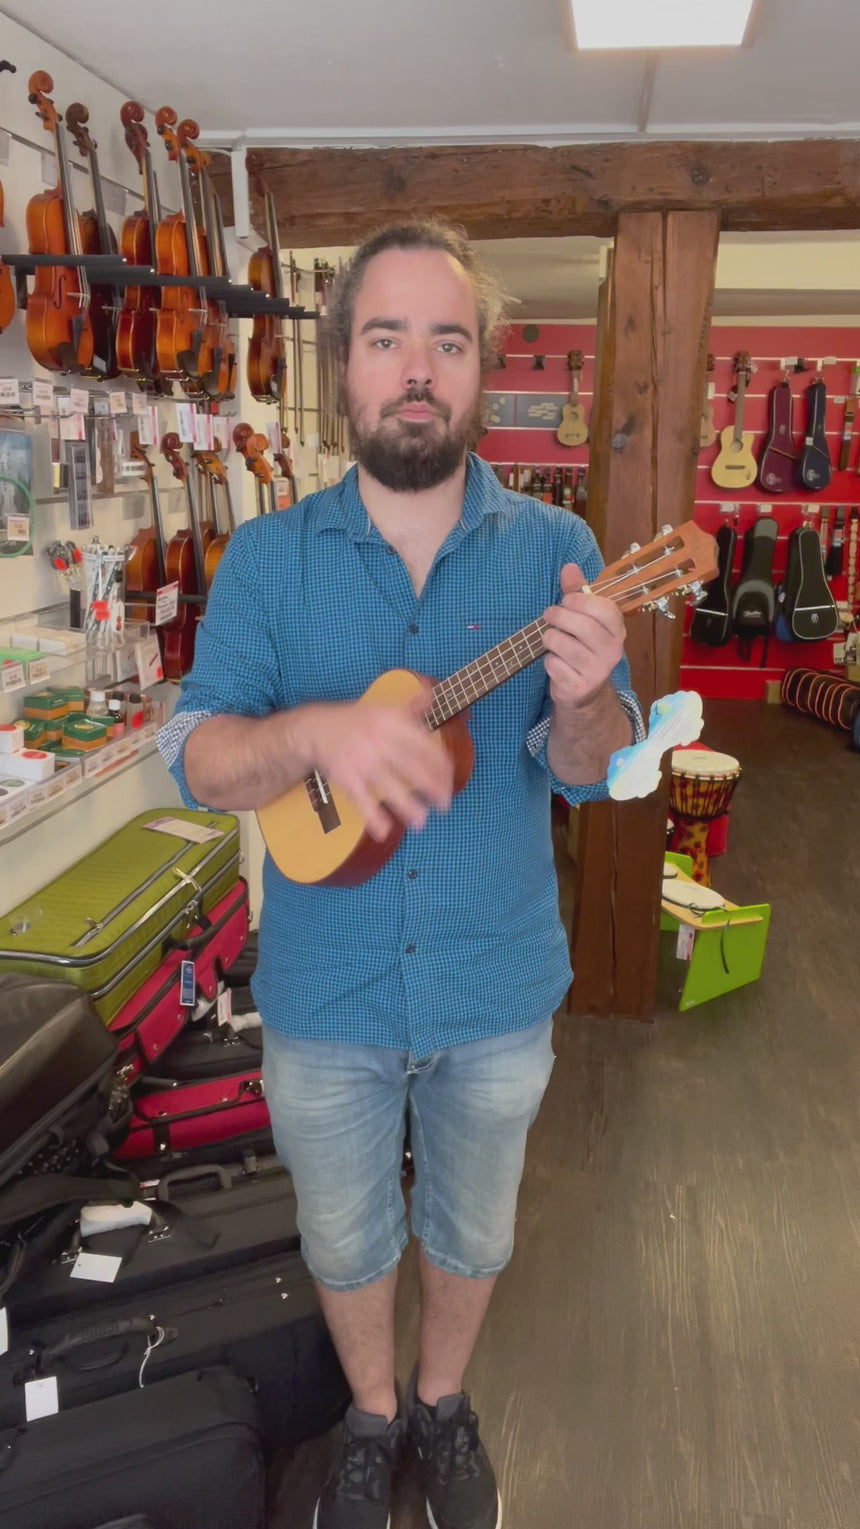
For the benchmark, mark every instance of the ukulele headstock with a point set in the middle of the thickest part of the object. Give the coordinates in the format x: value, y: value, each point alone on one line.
x: 575, y: 360
x: 39, y: 87
x: 171, y: 446
x: 677, y: 562
x: 743, y: 365
x: 77, y: 117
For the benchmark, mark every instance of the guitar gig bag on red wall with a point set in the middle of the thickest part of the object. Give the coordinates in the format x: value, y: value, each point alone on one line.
x: 185, y: 1451
x: 754, y: 599
x: 815, y: 466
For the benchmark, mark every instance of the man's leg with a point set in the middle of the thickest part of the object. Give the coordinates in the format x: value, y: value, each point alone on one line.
x: 452, y: 1311
x: 361, y: 1323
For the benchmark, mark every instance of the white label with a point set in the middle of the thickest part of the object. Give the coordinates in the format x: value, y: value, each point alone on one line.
x: 195, y: 833
x: 39, y: 670
x: 42, y: 394
x: 145, y: 432
x: 118, y: 403
x: 103, y: 1267
x: 684, y: 942
x: 185, y: 422
x: 204, y: 432
x: 166, y: 603
x: 4, y: 815
x: 101, y: 407
x: 109, y: 1218
x: 79, y: 401
x: 712, y: 389
x: 12, y: 677
x: 139, y: 404
x: 72, y: 427
x: 72, y: 773
x: 39, y: 795
x: 225, y: 1006
x: 41, y: 1398
x: 9, y: 390
x: 132, y: 468
x: 273, y: 431
x: 4, y: 1331
x: 148, y: 659
x: 18, y: 528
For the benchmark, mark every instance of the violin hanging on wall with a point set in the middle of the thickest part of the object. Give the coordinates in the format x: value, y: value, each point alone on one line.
x: 8, y: 302
x: 97, y: 238
x: 181, y: 349
x: 58, y: 328
x: 136, y: 327
x: 267, y: 349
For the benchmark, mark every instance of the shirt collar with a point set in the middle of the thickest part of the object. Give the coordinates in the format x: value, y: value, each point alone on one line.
x: 342, y: 509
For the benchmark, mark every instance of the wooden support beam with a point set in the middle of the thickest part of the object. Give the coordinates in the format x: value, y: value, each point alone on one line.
x: 336, y: 196
x: 655, y: 317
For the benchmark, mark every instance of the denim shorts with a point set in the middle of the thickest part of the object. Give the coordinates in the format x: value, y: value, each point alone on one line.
x: 338, y: 1114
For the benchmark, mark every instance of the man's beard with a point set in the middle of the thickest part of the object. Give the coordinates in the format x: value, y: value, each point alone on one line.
x: 406, y: 455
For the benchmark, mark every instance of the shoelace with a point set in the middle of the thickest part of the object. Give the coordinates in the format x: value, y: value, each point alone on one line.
x: 359, y: 1474
x: 456, y: 1445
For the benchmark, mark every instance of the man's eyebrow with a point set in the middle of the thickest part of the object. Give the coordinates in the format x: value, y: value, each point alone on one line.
x: 398, y: 326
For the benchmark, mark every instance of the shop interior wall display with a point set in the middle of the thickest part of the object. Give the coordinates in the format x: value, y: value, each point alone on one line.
x: 535, y: 379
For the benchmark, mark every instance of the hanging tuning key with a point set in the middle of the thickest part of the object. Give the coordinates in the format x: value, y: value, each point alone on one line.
x: 696, y: 591
x: 661, y: 606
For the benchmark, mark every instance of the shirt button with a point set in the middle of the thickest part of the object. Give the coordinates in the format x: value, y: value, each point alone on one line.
x: 412, y: 875
x: 410, y: 950
x: 412, y: 627
x: 390, y: 550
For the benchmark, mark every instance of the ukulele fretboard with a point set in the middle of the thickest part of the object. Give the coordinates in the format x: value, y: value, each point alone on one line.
x: 483, y: 674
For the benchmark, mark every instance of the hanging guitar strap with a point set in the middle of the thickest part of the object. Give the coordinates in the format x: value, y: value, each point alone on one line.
x: 815, y: 465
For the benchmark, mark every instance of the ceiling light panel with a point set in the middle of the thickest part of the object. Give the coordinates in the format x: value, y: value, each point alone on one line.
x: 660, y: 23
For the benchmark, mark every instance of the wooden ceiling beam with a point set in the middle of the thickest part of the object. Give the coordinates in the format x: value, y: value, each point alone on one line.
x: 336, y: 196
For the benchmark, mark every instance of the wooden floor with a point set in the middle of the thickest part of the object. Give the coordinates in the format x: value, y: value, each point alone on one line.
x: 676, y: 1344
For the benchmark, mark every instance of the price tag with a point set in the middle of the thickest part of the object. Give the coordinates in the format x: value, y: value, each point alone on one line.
x: 39, y: 795
x: 42, y: 394
x: 72, y: 427
x: 225, y: 1006
x: 145, y: 433
x: 103, y: 1267
x: 148, y: 658
x: 166, y: 603
x: 4, y: 1330
x: 41, y: 1398
x: 139, y: 404
x: 118, y: 403
x: 18, y: 806
x: 684, y: 942
x: 10, y: 392
x: 79, y: 400
x: 204, y: 432
x: 72, y: 774
x: 18, y: 528
x: 39, y: 670
x: 12, y: 677
x: 273, y: 431
x: 101, y: 407
x: 185, y: 422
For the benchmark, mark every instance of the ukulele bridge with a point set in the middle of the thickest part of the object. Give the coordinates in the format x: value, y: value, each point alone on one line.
x: 322, y: 801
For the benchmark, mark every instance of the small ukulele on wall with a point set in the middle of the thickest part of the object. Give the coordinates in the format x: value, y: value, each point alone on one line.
x: 707, y: 428
x: 736, y: 467
x: 573, y: 431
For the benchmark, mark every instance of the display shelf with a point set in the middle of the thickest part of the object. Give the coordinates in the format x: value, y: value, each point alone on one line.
x: 46, y: 798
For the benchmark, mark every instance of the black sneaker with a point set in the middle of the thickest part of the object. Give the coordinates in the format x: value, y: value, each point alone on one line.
x: 357, y: 1493
x: 459, y: 1481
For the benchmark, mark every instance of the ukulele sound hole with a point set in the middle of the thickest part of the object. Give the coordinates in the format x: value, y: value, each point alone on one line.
x: 322, y: 802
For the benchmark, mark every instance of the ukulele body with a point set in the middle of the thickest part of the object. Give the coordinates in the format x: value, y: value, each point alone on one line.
x: 294, y: 826
x: 735, y: 467
x: 573, y: 431
x: 55, y: 340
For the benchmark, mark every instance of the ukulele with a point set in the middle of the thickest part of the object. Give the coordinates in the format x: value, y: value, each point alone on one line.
x: 778, y: 455
x: 251, y: 446
x: 136, y: 325
x: 180, y: 322
x: 573, y: 431
x: 735, y: 467
x: 848, y: 420
x: 146, y: 566
x: 707, y: 428
x: 97, y: 238
x: 318, y: 838
x: 185, y: 564
x: 267, y: 348
x: 8, y: 303
x: 59, y: 332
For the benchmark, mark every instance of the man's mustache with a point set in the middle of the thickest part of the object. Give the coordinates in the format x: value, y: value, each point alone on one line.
x: 417, y: 395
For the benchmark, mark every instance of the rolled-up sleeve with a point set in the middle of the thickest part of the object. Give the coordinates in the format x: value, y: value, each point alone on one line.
x: 582, y: 549
x: 235, y: 670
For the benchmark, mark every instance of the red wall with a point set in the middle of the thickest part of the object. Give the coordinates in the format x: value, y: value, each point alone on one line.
x: 711, y: 671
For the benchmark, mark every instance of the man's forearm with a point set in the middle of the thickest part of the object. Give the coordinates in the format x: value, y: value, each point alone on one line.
x: 582, y: 738
x: 246, y: 762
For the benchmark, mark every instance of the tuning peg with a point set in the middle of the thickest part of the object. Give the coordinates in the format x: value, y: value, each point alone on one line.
x: 661, y: 606
x: 666, y: 530
x: 697, y: 591
x: 634, y: 547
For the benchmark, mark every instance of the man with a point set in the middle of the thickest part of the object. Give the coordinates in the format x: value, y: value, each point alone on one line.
x: 432, y: 986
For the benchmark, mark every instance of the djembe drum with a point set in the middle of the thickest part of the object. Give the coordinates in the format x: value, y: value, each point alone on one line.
x: 701, y: 787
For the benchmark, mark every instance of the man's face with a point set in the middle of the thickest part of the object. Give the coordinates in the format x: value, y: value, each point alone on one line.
x: 412, y: 384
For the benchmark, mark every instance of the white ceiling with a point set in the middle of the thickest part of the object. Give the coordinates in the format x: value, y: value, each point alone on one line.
x: 455, y: 70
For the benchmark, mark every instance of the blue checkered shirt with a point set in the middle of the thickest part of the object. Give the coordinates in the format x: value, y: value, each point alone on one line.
x: 458, y: 937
